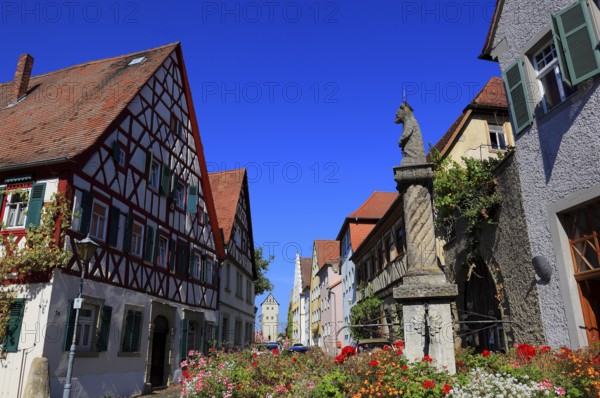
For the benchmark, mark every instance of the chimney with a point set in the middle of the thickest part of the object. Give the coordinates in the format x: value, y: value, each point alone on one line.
x: 22, y: 75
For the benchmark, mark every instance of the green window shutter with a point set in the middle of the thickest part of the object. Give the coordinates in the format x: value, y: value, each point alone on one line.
x: 86, y: 212
x: 182, y: 255
x: 113, y: 232
x: 69, y: 326
x: 174, y: 185
x: 516, y: 89
x: 204, y: 273
x: 192, y: 199
x: 172, y: 246
x: 137, y: 328
x: 116, y: 151
x: 13, y: 328
x: 104, y: 331
x: 36, y: 202
x: 149, y: 160
x: 2, y: 189
x: 128, y: 333
x: 575, y: 41
x: 165, y: 181
x: 156, y: 240
x: 149, y: 244
x: 184, y: 339
x: 127, y: 235
x: 191, y: 262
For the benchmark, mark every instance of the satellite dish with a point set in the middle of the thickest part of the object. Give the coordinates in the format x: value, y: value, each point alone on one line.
x: 542, y: 267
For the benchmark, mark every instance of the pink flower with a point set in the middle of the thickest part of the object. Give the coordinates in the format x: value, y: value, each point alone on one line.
x: 559, y: 391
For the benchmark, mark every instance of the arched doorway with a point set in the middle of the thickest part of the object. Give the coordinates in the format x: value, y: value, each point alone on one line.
x: 480, y: 307
x: 159, y: 350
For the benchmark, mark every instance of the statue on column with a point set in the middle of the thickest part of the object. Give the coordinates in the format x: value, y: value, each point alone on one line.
x: 411, y: 140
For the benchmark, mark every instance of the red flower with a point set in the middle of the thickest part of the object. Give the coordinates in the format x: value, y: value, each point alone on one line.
x: 404, y: 367
x: 427, y: 359
x: 399, y: 352
x: 399, y: 344
x: 387, y: 348
x: 446, y: 389
x: 545, y: 348
x: 254, y: 355
x: 349, y: 351
x: 429, y: 384
x: 485, y: 353
x: 276, y: 352
x: 294, y: 359
x: 185, y: 373
x: 254, y: 363
x: 339, y: 359
x: 459, y: 364
x: 526, y: 351
x: 373, y: 363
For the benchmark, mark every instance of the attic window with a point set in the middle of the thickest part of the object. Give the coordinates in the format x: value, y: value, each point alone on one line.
x: 136, y: 61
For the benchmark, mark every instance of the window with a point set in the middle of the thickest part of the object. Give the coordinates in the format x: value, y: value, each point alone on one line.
x: 196, y: 266
x: 132, y: 331
x: 550, y: 82
x: 179, y: 194
x: 137, y: 235
x: 98, y: 220
x: 238, y: 332
x: 161, y: 258
x: 16, y: 206
x: 497, y: 137
x: 238, y: 286
x: 86, y: 328
x: 225, y: 330
x: 154, y: 178
x: 248, y: 291
x: 176, y: 126
x: 13, y: 328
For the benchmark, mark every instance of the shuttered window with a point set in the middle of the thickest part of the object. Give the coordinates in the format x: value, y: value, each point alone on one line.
x: 516, y: 88
x: 576, y: 41
x: 192, y: 199
x: 165, y: 182
x: 149, y: 244
x: 132, y: 331
x: 13, y: 329
x: 184, y: 339
x: 36, y: 202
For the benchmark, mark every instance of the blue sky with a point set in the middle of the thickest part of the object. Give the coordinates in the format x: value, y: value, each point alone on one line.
x: 302, y: 93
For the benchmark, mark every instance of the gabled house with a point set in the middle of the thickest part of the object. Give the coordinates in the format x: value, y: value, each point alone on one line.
x: 121, y: 144
x: 304, y: 318
x: 238, y: 272
x: 380, y: 264
x: 355, y: 228
x: 325, y: 252
x: 551, y: 70
x: 269, y: 318
x: 301, y: 274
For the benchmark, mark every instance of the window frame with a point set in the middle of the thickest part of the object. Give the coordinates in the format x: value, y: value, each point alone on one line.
x: 23, y: 211
x: 554, y: 66
x: 132, y: 248
x: 492, y: 130
x: 165, y: 261
x: 135, y: 309
x: 154, y: 185
x: 106, y: 207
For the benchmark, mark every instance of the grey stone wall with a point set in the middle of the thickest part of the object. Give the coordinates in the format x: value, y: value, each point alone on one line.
x: 558, y: 157
x: 507, y: 255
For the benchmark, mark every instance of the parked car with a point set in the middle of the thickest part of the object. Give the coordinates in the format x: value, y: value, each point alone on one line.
x: 366, y: 345
x: 263, y: 348
x: 299, y: 347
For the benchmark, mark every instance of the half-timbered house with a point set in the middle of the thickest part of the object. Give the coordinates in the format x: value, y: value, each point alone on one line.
x: 119, y: 139
x: 238, y: 273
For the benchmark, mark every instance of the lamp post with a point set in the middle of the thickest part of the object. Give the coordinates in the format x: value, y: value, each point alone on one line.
x: 334, y: 315
x: 85, y: 250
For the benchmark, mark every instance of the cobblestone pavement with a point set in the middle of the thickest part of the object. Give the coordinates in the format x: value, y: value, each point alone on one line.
x: 171, y: 392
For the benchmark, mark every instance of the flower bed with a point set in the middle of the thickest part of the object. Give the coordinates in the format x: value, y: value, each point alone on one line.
x: 525, y: 371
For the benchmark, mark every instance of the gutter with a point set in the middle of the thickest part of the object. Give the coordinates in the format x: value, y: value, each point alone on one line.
x: 34, y: 164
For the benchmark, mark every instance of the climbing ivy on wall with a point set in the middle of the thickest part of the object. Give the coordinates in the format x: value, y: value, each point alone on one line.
x: 466, y: 192
x: 366, y: 311
x: 43, y: 251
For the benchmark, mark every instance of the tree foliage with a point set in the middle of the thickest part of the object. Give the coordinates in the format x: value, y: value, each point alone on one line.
x: 262, y: 283
x: 364, y: 312
x: 42, y: 251
x: 468, y: 192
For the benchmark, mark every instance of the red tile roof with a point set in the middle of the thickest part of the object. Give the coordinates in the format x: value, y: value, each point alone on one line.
x: 328, y: 252
x: 375, y: 206
x: 226, y: 188
x: 305, y: 268
x: 66, y: 111
x: 358, y: 233
x: 491, y: 96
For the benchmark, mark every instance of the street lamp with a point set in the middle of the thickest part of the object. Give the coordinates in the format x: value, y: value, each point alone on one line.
x: 85, y: 250
x: 334, y: 314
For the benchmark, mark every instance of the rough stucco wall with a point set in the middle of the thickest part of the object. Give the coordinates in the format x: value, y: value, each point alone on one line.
x: 558, y: 155
x: 502, y: 245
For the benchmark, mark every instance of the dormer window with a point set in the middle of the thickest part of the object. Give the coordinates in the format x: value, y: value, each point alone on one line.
x: 136, y: 61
